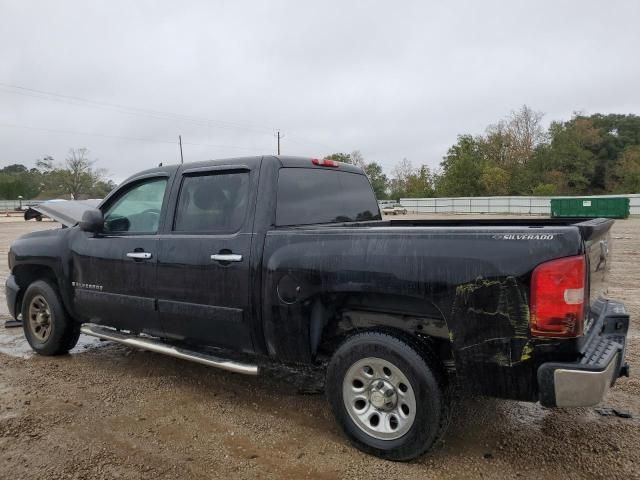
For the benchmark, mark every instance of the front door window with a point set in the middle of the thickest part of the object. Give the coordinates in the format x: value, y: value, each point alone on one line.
x: 138, y: 209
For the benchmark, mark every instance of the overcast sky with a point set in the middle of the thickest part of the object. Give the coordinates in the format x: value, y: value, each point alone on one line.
x: 391, y: 79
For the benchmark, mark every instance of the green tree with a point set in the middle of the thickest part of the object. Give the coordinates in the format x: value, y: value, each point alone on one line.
x: 495, y: 180
x: 419, y: 183
x: 544, y: 190
x: 378, y: 179
x: 571, y: 153
x: 18, y: 181
x: 461, y: 169
x: 583, y: 155
x: 16, y: 168
x: 618, y: 134
x: 339, y: 157
x: 101, y: 188
x: 627, y: 171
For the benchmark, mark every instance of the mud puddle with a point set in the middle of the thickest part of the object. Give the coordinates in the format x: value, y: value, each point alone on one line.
x: 13, y: 343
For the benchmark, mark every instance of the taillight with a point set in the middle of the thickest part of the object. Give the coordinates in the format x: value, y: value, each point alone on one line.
x: 325, y: 163
x: 558, y: 298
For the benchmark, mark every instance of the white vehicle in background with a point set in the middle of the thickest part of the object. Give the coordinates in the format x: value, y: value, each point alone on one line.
x: 393, y: 208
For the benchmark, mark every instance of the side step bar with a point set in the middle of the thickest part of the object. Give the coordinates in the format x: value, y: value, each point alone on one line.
x: 157, y: 346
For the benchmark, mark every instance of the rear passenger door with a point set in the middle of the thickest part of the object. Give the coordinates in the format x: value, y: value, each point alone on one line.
x: 204, y: 259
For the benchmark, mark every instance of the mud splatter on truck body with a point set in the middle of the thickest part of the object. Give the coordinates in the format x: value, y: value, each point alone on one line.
x: 474, y: 279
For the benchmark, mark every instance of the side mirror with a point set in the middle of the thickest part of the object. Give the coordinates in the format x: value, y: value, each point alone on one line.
x: 92, y: 221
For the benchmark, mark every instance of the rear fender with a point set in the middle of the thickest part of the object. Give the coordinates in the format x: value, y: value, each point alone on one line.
x: 341, y: 314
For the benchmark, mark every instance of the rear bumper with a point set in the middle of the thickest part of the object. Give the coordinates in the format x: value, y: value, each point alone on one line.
x: 12, y: 290
x: 585, y: 382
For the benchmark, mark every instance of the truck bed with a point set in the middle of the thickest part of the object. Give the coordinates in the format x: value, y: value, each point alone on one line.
x: 587, y: 228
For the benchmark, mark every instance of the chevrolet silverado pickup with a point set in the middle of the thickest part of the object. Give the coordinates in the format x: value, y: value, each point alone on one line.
x: 231, y: 262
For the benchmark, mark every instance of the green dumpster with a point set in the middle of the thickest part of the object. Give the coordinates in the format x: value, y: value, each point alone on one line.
x: 615, y: 207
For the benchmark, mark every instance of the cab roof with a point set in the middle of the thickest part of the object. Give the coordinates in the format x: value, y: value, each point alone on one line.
x: 284, y: 160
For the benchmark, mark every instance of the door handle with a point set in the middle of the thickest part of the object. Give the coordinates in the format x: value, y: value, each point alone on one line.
x: 139, y: 255
x: 226, y: 257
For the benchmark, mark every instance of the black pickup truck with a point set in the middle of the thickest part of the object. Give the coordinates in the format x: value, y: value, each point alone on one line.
x: 289, y: 259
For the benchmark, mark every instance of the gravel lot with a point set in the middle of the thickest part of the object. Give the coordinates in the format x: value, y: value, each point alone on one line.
x: 106, y: 411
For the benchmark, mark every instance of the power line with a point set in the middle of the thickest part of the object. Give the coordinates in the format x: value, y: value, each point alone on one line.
x: 159, y: 114
x: 121, y: 137
x: 145, y: 112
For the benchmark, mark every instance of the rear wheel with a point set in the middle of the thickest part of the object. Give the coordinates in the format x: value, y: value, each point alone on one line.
x: 47, y: 326
x: 387, y: 395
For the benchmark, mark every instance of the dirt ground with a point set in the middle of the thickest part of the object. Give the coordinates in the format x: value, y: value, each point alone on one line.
x: 106, y: 411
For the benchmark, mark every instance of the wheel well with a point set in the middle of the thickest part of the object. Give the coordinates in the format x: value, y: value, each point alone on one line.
x: 25, y: 275
x: 335, y: 317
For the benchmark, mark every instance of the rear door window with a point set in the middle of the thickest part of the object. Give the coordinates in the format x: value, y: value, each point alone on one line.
x: 313, y: 195
x: 212, y: 203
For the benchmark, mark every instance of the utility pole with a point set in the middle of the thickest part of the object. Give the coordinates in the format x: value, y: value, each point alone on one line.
x: 279, y: 136
x: 180, y: 143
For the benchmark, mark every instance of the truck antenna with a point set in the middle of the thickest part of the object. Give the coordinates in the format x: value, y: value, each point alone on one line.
x: 180, y: 143
x: 279, y: 136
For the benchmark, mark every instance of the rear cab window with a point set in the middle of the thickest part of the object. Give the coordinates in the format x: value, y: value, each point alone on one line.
x: 309, y: 196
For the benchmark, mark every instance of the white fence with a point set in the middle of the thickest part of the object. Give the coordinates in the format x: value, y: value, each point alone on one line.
x: 10, y: 205
x: 509, y: 205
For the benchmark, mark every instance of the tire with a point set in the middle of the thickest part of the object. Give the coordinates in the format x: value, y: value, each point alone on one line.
x: 419, y: 426
x: 47, y: 326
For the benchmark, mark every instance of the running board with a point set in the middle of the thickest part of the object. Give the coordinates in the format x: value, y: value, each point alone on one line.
x: 157, y: 346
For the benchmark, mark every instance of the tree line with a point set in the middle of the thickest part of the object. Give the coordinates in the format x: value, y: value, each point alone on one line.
x: 586, y: 155
x: 74, y: 178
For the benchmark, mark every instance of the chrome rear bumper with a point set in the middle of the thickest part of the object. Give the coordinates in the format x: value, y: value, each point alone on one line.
x: 583, y: 388
x: 584, y: 383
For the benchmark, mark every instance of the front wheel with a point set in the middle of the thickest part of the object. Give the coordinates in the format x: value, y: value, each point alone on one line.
x: 387, y: 394
x: 47, y: 326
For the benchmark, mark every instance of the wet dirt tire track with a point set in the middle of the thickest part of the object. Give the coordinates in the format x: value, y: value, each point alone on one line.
x: 112, y: 412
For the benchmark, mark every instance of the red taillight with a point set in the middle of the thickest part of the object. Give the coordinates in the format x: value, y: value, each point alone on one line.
x: 558, y: 298
x: 325, y: 163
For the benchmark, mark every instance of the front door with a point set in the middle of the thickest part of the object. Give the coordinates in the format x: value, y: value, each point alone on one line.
x: 204, y: 259
x: 114, y: 273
